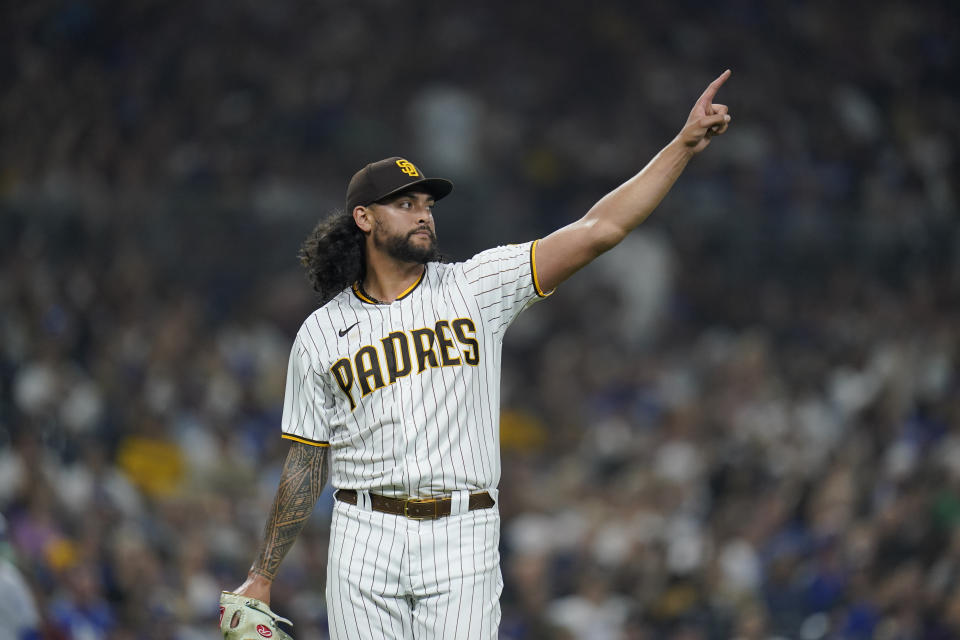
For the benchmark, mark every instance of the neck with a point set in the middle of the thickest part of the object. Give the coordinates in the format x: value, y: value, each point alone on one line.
x: 386, y: 278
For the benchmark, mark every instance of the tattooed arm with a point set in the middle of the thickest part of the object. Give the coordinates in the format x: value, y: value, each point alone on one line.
x: 304, y: 475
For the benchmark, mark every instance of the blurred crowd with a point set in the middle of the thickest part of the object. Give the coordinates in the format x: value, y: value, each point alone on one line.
x: 744, y: 423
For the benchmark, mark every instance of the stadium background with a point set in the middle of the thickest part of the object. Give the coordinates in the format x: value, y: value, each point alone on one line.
x: 744, y: 423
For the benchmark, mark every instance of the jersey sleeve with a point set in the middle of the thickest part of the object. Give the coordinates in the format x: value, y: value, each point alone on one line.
x: 504, y: 282
x: 304, y: 400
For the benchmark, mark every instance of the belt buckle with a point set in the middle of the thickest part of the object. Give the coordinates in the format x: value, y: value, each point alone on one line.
x: 407, y: 503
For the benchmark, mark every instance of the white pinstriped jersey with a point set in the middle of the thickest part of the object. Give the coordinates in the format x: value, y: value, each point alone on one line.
x: 407, y: 394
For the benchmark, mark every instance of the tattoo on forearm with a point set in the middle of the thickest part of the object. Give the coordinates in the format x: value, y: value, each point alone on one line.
x: 303, y: 478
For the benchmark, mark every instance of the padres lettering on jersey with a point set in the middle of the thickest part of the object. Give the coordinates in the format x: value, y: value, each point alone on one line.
x: 374, y: 367
x: 407, y: 394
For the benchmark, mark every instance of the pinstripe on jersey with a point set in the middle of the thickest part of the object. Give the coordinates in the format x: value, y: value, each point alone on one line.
x: 408, y: 396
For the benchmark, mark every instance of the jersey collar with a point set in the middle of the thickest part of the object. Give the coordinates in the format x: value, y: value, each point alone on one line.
x: 363, y: 296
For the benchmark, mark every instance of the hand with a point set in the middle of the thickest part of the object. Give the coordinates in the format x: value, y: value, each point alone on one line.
x: 243, y: 617
x: 706, y: 119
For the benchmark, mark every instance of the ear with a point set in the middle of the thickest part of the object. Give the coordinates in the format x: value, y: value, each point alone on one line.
x: 363, y: 217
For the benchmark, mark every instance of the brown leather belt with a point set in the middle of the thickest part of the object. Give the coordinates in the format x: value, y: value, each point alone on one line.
x: 415, y: 508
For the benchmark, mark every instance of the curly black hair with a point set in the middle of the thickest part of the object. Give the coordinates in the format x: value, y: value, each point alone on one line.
x: 333, y: 255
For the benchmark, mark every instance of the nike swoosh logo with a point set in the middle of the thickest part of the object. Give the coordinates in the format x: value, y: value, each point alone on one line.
x: 343, y: 332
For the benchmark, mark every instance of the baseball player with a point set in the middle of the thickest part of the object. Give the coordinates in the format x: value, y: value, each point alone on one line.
x: 393, y: 388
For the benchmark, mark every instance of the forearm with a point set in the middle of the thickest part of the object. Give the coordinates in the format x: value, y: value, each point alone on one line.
x: 563, y: 252
x: 624, y: 208
x: 304, y: 475
x: 605, y: 225
x: 621, y: 210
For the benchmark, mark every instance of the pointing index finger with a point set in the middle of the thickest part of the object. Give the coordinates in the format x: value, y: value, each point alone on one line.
x: 713, y: 87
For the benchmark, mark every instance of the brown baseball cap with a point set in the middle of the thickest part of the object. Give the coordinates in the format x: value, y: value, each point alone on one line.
x: 381, y: 179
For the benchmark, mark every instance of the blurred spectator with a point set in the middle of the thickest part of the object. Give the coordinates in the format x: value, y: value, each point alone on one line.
x: 18, y: 607
x: 593, y: 612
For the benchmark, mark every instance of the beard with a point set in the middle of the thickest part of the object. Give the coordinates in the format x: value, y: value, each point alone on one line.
x: 401, y: 246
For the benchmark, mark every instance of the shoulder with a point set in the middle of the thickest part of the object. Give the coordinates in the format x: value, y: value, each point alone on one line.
x: 493, y: 254
x: 504, y: 252
x: 498, y: 258
x: 318, y: 323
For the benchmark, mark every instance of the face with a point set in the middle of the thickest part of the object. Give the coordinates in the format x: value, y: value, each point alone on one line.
x: 403, y: 228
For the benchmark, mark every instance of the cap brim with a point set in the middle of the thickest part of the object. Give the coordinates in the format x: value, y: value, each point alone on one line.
x: 436, y: 187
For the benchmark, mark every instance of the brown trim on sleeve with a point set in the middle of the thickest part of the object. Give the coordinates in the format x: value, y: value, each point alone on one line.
x: 315, y: 443
x: 533, y: 269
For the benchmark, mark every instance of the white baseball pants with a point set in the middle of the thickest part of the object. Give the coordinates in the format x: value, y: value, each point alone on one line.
x: 392, y: 577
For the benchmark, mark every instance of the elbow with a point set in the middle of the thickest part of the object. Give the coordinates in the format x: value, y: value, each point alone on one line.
x: 605, y: 236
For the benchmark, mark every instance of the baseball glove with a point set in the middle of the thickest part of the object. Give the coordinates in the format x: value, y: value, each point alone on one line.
x: 246, y: 618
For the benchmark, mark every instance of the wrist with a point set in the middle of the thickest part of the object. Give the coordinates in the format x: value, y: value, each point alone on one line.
x: 259, y: 580
x: 681, y: 147
x: 256, y: 586
x: 259, y: 577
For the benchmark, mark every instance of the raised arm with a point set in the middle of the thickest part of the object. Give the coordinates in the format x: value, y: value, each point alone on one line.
x: 304, y: 475
x: 566, y: 250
